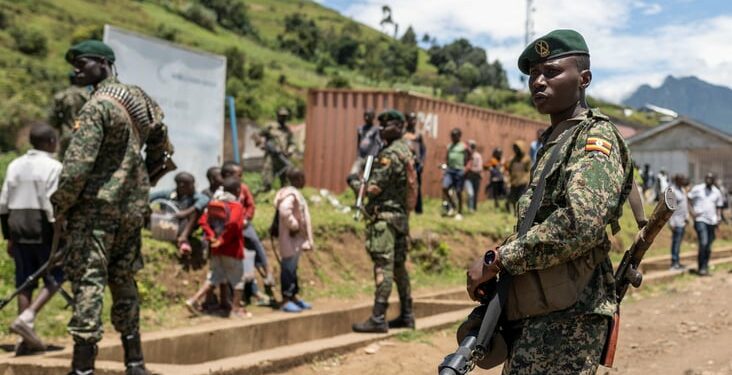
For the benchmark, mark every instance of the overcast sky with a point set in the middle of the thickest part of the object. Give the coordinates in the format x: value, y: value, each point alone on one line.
x: 631, y: 42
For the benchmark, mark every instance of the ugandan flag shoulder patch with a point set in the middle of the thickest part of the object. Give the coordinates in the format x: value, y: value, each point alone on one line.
x: 598, y: 144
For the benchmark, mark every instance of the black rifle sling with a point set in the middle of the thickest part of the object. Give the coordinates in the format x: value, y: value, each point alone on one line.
x: 538, y: 194
x: 495, y: 306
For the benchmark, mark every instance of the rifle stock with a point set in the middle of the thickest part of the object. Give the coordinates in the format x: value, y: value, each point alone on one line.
x: 627, y: 273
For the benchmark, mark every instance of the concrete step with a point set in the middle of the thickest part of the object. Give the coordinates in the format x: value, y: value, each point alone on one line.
x: 663, y: 262
x: 278, y: 341
x: 263, y: 344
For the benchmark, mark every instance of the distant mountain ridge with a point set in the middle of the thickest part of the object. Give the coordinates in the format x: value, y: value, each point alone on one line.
x: 691, y: 97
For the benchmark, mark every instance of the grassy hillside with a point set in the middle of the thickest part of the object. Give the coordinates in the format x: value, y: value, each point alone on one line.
x: 34, y: 34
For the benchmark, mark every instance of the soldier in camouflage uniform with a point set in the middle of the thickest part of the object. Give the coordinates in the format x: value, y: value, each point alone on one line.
x: 278, y: 145
x: 560, y: 326
x: 102, y: 195
x: 66, y: 106
x: 388, y: 227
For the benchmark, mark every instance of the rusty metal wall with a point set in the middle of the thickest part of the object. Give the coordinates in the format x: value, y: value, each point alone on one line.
x: 333, y: 116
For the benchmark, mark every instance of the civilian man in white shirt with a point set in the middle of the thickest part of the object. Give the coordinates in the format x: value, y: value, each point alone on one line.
x: 27, y: 215
x: 705, y: 206
x: 679, y: 219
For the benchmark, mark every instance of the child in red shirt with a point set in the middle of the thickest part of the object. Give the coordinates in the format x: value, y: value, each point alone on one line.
x: 222, y: 223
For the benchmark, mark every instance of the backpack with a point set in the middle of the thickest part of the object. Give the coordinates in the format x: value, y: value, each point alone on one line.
x: 274, y: 228
x: 219, y: 214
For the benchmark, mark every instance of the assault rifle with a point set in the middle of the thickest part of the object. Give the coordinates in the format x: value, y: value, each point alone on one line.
x: 362, y: 189
x: 55, y: 259
x: 482, y: 344
x: 628, y: 272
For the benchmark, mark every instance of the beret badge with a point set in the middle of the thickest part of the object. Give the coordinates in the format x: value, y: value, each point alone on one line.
x: 542, y: 48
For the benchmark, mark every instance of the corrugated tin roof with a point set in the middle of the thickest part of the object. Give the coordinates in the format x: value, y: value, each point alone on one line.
x: 679, y: 121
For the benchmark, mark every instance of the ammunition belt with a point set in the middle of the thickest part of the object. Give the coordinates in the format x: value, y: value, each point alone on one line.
x: 140, y: 111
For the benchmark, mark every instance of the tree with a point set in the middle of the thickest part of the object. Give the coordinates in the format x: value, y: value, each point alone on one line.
x: 235, y: 60
x: 468, y: 64
x: 469, y: 76
x: 386, y: 19
x: 409, y: 37
x: 232, y: 15
x: 345, y: 50
x: 301, y: 36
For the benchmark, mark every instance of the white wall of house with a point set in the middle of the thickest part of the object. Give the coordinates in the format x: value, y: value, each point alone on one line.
x: 687, y: 150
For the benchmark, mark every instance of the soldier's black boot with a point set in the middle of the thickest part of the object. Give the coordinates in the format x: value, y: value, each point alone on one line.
x: 376, y: 323
x: 133, y: 355
x: 82, y: 363
x: 405, y: 318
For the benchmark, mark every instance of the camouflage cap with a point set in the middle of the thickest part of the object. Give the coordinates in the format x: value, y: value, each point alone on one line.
x: 92, y: 48
x: 556, y: 44
x: 282, y: 111
x: 391, y: 114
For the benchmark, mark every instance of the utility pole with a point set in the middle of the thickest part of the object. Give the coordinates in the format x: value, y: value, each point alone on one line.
x: 528, y: 28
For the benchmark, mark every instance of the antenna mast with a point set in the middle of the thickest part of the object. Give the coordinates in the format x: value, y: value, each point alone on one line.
x: 528, y: 28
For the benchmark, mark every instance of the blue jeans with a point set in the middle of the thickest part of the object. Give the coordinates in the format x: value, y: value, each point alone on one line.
x: 252, y: 242
x: 677, y: 234
x: 705, y: 233
x: 288, y: 277
x: 453, y: 178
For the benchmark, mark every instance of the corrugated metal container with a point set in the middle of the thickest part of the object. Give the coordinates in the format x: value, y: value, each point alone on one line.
x: 334, y: 115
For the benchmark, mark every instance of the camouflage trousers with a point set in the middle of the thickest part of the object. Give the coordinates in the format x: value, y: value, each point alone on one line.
x: 387, y: 247
x: 273, y: 167
x: 557, y: 344
x: 99, y: 253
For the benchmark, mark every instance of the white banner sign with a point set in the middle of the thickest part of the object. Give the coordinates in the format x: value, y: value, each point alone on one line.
x: 188, y: 85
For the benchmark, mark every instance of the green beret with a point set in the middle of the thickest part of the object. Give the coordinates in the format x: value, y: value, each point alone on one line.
x: 93, y: 48
x: 391, y: 114
x: 557, y: 43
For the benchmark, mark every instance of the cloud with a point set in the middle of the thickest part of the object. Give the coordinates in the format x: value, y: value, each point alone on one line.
x: 622, y: 57
x: 648, y: 9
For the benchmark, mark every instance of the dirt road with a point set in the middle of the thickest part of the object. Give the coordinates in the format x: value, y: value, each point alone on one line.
x: 684, y: 328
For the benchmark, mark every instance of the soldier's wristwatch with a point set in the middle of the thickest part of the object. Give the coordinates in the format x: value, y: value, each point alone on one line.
x: 490, y: 260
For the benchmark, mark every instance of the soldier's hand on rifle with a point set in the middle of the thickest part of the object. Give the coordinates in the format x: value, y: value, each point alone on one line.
x: 373, y: 190
x: 479, y: 272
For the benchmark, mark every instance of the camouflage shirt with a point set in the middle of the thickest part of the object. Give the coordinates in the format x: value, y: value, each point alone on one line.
x: 66, y: 106
x: 278, y: 139
x: 389, y: 174
x: 104, y: 165
x: 584, y: 193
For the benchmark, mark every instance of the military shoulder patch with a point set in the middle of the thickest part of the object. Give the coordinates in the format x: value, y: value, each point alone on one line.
x: 598, y: 144
x: 385, y: 162
x: 77, y: 124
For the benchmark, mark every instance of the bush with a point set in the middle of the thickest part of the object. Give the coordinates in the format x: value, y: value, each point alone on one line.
x: 200, y: 16
x: 29, y: 41
x: 339, y: 82
x: 87, y: 32
x: 235, y: 60
x: 232, y: 15
x: 165, y: 32
x: 430, y: 254
x: 4, y: 20
x: 302, y: 36
x: 256, y: 71
x: 5, y: 159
